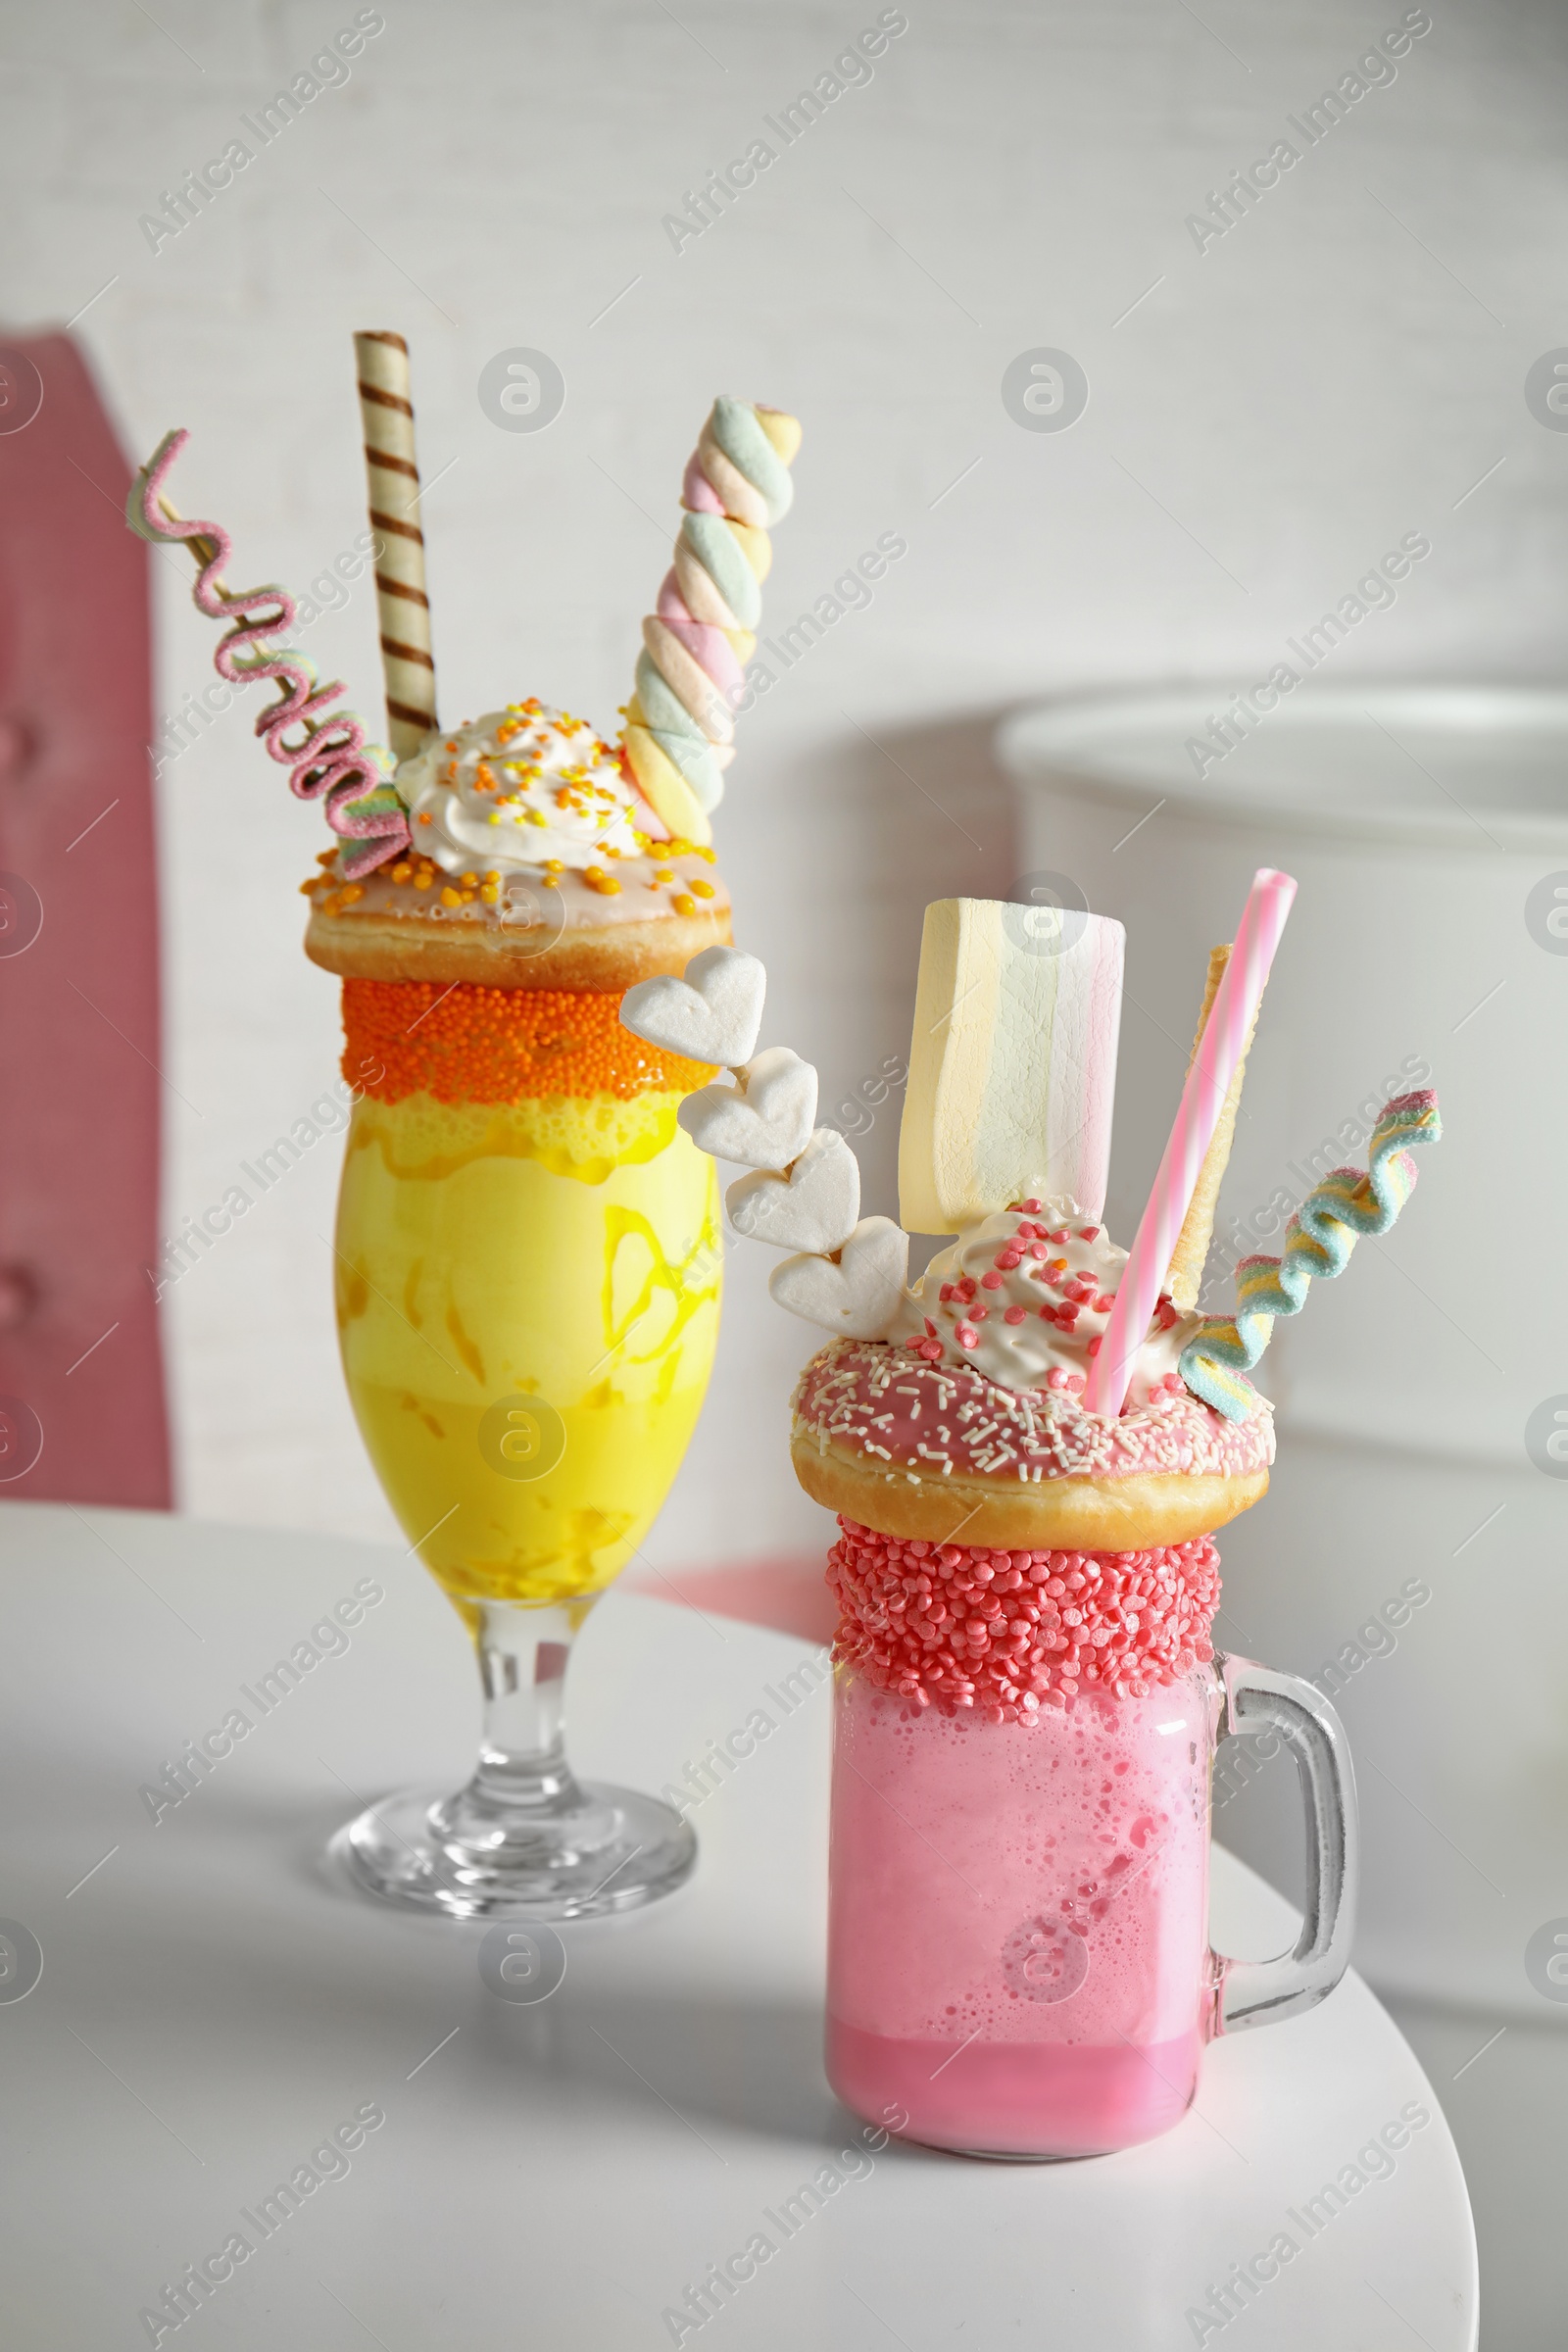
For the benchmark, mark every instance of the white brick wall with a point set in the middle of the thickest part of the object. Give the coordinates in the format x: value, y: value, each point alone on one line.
x: 1275, y: 409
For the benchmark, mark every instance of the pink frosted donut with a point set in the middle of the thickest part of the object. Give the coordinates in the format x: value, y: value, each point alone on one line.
x: 939, y: 1453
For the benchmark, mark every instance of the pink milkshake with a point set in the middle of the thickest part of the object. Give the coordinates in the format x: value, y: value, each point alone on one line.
x: 1018, y: 1935
x: 1029, y: 1450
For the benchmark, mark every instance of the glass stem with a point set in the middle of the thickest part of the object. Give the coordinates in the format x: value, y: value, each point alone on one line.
x: 523, y: 1671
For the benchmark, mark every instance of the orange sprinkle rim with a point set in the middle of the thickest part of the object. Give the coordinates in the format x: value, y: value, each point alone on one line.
x: 466, y: 1043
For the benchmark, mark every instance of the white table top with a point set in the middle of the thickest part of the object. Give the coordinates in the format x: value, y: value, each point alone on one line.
x: 212, y: 2007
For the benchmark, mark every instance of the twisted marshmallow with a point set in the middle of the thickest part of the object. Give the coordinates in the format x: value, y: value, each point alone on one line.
x: 1318, y: 1240
x: 331, y: 760
x: 680, y: 723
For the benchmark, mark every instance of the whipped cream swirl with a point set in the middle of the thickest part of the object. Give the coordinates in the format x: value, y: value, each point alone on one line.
x: 521, y: 789
x: 1024, y: 1297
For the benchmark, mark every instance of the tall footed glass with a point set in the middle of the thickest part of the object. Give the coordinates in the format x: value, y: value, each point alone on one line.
x: 528, y: 1304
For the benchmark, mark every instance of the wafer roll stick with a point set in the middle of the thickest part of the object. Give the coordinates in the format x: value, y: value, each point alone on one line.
x: 1186, y: 1276
x: 388, y: 414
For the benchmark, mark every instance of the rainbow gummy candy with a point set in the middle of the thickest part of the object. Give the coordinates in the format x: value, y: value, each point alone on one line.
x: 1318, y: 1240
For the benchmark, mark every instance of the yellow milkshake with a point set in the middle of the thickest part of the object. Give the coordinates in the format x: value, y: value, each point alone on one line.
x: 528, y: 1304
x: 528, y: 1290
x: 528, y: 1246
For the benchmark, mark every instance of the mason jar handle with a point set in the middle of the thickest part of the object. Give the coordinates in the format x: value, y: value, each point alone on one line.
x: 1258, y: 1992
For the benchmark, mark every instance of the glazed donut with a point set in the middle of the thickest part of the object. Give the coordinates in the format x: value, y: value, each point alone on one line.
x: 607, y: 957
x: 940, y: 1453
x: 534, y: 861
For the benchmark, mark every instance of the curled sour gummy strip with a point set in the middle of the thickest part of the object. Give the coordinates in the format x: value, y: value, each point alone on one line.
x: 1318, y: 1240
x: 330, y: 761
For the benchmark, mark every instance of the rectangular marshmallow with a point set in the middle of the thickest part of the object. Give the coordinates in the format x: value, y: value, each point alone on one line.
x: 1013, y: 1067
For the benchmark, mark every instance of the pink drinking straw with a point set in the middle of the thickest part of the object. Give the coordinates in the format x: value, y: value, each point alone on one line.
x: 1219, y: 1050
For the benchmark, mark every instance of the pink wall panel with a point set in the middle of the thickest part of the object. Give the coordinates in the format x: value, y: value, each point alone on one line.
x: 80, y: 1358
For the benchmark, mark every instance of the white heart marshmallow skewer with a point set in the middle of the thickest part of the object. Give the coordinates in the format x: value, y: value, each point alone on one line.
x: 864, y: 1297
x: 814, y: 1208
x: 711, y: 1015
x: 765, y: 1122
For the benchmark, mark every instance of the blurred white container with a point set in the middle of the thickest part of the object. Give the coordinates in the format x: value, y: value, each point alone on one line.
x: 1428, y: 827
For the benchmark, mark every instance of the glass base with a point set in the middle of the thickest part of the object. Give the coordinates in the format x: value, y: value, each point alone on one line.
x: 468, y: 1857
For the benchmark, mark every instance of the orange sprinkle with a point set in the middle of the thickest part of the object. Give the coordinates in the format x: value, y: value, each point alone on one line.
x: 500, y: 1045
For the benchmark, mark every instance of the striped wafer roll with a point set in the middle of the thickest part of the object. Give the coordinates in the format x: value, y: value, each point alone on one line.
x: 1186, y: 1276
x: 388, y: 414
